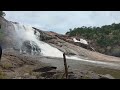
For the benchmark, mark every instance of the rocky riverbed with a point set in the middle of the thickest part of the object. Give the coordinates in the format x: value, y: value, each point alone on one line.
x: 20, y: 66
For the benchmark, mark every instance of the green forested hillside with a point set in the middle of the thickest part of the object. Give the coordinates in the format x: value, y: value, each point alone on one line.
x: 103, y: 39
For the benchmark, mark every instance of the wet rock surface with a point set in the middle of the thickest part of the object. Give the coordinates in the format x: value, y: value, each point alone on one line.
x: 30, y: 47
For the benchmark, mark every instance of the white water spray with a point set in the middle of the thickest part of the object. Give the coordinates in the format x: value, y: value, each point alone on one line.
x: 27, y: 33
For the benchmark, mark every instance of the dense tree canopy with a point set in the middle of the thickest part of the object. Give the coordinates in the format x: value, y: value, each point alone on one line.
x: 2, y: 14
x: 107, y: 35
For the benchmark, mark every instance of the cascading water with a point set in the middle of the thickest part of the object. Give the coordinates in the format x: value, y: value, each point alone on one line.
x: 26, y: 33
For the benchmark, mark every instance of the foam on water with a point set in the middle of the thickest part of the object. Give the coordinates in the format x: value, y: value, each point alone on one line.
x: 81, y: 41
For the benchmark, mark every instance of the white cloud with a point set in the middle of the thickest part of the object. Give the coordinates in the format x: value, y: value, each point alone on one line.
x: 62, y: 21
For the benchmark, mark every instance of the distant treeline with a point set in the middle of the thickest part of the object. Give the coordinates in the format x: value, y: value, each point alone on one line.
x: 107, y: 35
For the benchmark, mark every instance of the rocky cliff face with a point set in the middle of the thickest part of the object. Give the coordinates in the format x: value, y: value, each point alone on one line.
x: 6, y: 36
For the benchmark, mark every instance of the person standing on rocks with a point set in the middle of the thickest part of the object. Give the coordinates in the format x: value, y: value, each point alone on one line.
x: 0, y: 52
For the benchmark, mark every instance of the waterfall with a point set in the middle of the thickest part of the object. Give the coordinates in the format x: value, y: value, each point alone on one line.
x: 28, y: 42
x: 27, y: 33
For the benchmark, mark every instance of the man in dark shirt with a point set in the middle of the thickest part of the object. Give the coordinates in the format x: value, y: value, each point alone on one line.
x: 0, y: 52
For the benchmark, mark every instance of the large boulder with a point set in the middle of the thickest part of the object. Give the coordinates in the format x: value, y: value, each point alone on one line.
x: 30, y: 47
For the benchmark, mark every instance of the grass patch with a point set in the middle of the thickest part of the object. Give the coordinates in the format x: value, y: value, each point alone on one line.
x: 2, y: 75
x: 7, y: 65
x: 113, y: 72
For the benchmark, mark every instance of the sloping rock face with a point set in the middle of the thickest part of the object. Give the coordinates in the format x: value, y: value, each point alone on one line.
x: 65, y: 44
x: 70, y: 40
x: 44, y: 36
x: 6, y: 33
x: 64, y: 41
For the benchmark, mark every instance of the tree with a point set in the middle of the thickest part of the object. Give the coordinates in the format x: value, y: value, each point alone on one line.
x: 2, y: 14
x: 70, y: 30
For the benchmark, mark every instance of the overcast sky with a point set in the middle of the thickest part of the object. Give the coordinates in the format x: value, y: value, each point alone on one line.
x: 62, y: 21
